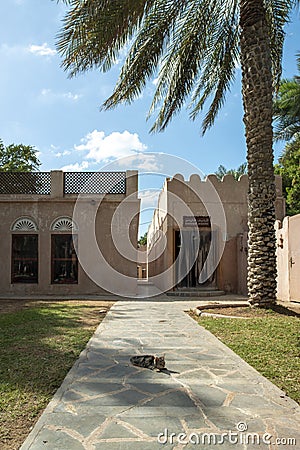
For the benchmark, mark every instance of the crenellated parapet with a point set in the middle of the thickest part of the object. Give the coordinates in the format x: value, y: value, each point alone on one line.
x: 203, y: 196
x: 228, y: 188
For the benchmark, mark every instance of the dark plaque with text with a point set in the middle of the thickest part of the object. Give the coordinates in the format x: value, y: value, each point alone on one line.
x: 193, y: 221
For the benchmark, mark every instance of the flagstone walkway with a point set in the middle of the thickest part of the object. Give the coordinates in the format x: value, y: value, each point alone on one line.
x: 208, y: 397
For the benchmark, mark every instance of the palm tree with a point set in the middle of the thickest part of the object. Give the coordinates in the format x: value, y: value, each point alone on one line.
x: 287, y: 107
x: 194, y: 47
x: 236, y: 173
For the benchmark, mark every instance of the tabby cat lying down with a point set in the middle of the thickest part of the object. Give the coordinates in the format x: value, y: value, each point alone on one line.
x: 149, y: 362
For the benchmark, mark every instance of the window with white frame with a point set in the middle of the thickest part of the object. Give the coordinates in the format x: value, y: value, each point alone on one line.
x: 24, y: 251
x: 64, y: 261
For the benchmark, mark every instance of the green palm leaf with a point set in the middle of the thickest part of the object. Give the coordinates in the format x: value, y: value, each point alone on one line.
x: 192, y: 45
x: 287, y: 108
x: 95, y: 31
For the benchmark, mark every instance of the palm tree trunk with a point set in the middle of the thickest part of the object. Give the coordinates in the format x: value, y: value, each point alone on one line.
x: 257, y: 98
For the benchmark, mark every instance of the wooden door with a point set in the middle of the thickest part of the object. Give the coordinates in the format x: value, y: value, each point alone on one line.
x: 294, y: 257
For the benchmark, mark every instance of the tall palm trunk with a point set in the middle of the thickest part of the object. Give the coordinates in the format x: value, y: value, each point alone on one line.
x: 257, y: 99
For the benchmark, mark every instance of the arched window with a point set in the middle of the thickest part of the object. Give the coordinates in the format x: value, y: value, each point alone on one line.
x: 64, y: 261
x: 24, y: 253
x: 64, y: 224
x: 24, y: 224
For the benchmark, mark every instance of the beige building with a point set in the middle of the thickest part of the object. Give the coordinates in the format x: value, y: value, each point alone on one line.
x: 76, y: 234
x: 51, y: 225
x: 288, y: 258
x: 198, y: 235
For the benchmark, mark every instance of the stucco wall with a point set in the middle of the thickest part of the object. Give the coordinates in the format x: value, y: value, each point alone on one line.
x: 211, y: 197
x: 44, y: 210
x: 288, y: 258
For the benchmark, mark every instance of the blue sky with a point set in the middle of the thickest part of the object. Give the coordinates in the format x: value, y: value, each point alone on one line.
x: 40, y: 106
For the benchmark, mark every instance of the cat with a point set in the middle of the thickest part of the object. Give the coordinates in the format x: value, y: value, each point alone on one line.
x: 149, y: 362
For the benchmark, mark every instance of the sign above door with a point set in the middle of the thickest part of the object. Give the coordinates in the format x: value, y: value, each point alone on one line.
x: 193, y: 221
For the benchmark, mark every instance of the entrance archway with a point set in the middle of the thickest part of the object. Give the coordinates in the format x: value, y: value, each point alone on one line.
x: 190, y: 261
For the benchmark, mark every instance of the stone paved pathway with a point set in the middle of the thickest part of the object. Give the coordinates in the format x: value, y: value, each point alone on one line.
x: 106, y: 403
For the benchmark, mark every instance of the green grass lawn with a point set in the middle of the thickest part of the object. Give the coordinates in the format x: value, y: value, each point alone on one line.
x: 269, y: 342
x: 39, y: 344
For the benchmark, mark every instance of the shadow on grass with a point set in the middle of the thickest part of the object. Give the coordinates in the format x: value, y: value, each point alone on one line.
x: 280, y: 309
x: 39, y: 345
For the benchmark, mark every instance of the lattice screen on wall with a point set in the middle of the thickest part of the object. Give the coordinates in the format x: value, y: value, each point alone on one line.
x: 36, y: 183
x: 95, y: 182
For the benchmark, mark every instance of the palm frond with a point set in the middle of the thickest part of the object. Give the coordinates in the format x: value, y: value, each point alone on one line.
x: 192, y: 44
x: 186, y: 50
x: 144, y: 55
x: 219, y: 73
x: 277, y: 15
x: 205, y: 45
x: 286, y: 109
x: 286, y: 132
x: 94, y: 32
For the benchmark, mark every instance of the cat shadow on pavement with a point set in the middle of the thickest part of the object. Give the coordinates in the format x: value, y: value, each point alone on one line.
x: 167, y: 371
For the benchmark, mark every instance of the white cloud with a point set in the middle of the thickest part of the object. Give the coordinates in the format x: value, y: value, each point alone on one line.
x: 42, y: 50
x: 76, y: 167
x: 71, y: 96
x: 147, y: 163
x: 123, y: 54
x: 46, y: 92
x: 238, y: 64
x: 21, y: 50
x: 52, y: 96
x: 140, y: 161
x: 115, y: 145
x: 149, y: 198
x: 64, y: 153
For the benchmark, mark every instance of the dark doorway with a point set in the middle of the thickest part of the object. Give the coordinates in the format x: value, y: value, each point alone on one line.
x: 191, y: 251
